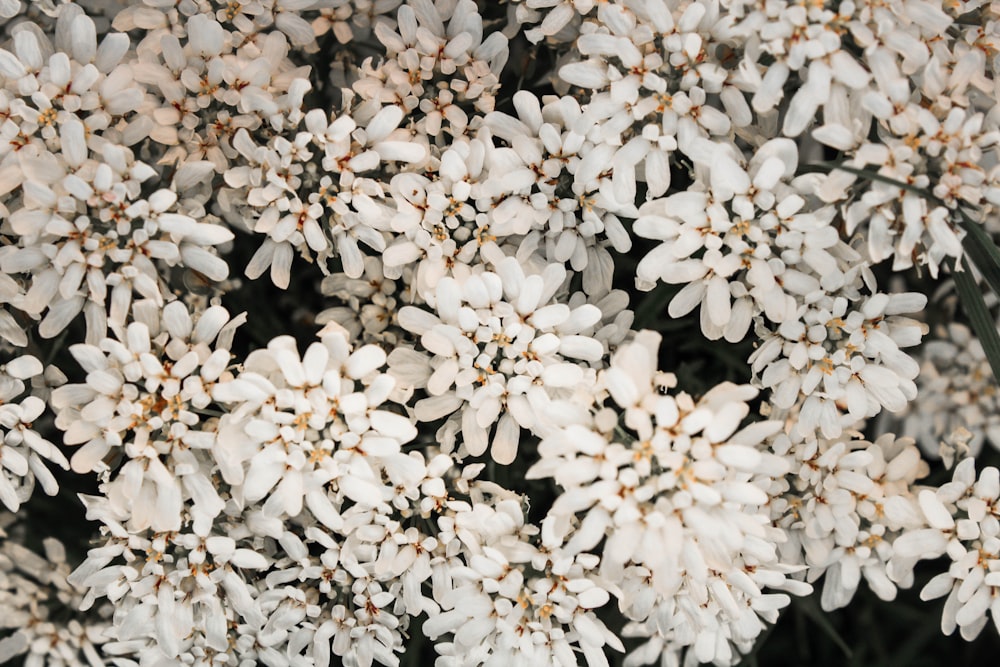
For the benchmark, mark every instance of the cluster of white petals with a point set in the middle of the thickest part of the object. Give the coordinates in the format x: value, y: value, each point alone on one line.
x: 670, y: 75
x: 85, y: 236
x: 843, y: 506
x: 566, y: 322
x: 40, y: 616
x: 962, y: 522
x: 302, y: 462
x: 672, y: 498
x: 507, y: 597
x: 23, y: 450
x: 955, y: 390
x: 496, y: 349
x: 840, y: 362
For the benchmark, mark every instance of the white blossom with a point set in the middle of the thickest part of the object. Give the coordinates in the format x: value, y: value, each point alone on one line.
x: 954, y: 390
x: 40, y: 616
x: 672, y: 493
x: 440, y: 416
x: 493, y: 342
x: 961, y: 520
x: 23, y: 450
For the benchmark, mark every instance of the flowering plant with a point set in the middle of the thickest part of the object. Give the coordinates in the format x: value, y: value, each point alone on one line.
x: 542, y: 332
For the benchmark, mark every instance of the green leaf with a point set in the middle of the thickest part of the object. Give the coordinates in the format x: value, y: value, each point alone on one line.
x: 651, y: 313
x: 811, y: 609
x: 979, y: 315
x: 868, y: 174
x: 982, y: 251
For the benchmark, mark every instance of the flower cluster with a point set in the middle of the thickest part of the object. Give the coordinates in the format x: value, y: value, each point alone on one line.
x: 961, y: 522
x: 497, y: 349
x: 471, y: 246
x: 671, y: 499
x: 23, y: 450
x: 84, y: 236
x: 955, y: 390
x: 41, y: 617
x: 843, y: 505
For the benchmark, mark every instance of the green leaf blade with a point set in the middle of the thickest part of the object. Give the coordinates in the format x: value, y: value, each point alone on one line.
x: 979, y: 315
x: 982, y: 251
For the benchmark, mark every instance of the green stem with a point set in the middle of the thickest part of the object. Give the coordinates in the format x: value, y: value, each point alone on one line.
x: 828, y: 167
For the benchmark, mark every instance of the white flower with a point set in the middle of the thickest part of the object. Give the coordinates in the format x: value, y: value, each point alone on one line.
x: 494, y: 344
x: 503, y: 599
x: 370, y: 304
x: 354, y: 19
x: 86, y: 238
x: 434, y: 40
x: 22, y: 449
x: 740, y: 242
x: 955, y: 389
x: 144, y: 394
x: 845, y: 505
x: 838, y: 363
x: 41, y: 608
x: 963, y: 522
x: 303, y: 428
x: 84, y: 232
x: 668, y: 490
x: 554, y: 181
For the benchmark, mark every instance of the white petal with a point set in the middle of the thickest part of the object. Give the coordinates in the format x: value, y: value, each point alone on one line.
x: 717, y: 300
x: 581, y: 347
x: 474, y: 436
x: 361, y: 491
x: 249, y: 559
x: 23, y: 367
x: 401, y: 151
x: 393, y: 425
x: 739, y: 457
x: 593, y: 597
x: 10, y: 66
x: 192, y: 173
x: 937, y: 514
x: 73, y: 142
x: 299, y: 31
x: 383, y: 123
x: 504, y: 449
x: 211, y: 266
x: 924, y: 543
x: 365, y: 360
x: 590, y: 74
